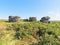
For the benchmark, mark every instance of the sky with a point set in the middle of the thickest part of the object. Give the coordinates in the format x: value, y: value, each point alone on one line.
x: 30, y: 8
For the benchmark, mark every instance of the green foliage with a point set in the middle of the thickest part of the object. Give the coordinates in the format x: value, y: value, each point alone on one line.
x: 35, y: 33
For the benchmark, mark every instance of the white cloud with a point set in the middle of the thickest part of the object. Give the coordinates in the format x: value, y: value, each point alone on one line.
x: 54, y: 15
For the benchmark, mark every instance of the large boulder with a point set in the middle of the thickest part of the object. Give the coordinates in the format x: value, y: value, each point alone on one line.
x: 14, y: 18
x: 45, y: 19
x: 31, y: 19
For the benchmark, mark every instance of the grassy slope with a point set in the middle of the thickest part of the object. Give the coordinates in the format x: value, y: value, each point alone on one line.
x: 28, y: 28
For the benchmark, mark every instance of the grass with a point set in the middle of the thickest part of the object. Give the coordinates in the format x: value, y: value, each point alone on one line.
x: 26, y: 32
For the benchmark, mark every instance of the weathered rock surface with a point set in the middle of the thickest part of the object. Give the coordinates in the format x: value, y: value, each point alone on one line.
x: 31, y: 19
x: 45, y: 19
x: 14, y: 18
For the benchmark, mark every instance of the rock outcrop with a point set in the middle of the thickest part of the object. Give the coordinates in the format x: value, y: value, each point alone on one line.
x: 45, y: 19
x: 31, y: 19
x: 14, y: 18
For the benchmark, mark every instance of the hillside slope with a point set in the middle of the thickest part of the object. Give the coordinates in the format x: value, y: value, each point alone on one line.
x: 29, y: 33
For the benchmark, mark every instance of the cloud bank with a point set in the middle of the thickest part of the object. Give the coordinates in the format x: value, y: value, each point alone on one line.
x: 54, y: 15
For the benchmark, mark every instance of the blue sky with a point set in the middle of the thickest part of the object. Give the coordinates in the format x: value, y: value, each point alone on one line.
x: 27, y: 8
